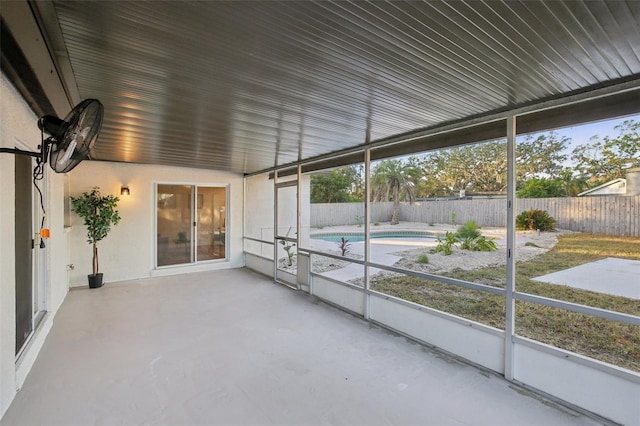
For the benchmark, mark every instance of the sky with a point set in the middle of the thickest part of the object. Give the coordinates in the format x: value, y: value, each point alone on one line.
x: 583, y: 133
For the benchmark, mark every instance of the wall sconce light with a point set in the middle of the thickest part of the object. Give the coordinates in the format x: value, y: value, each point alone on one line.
x: 125, y: 191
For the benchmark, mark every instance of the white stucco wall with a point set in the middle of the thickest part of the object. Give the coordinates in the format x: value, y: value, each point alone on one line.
x: 18, y: 125
x: 128, y: 251
x: 259, y: 198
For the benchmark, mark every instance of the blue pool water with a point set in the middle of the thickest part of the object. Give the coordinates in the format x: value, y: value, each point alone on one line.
x: 356, y: 238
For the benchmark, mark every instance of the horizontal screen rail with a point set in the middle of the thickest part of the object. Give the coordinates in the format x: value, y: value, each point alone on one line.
x: 554, y: 303
x: 575, y: 307
x: 444, y: 280
x: 258, y: 241
x: 333, y: 256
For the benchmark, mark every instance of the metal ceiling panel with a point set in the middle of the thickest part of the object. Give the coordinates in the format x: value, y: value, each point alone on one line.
x: 246, y: 86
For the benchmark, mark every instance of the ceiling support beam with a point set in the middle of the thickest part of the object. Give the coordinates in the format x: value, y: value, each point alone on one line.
x: 596, y: 105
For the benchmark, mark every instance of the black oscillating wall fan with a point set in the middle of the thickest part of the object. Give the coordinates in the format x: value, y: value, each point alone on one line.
x: 70, y: 139
x: 74, y: 136
x: 69, y: 143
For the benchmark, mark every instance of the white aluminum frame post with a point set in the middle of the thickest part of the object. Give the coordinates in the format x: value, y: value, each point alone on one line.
x: 511, y: 255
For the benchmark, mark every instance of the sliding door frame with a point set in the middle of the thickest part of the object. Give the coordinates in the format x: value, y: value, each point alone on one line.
x: 192, y: 240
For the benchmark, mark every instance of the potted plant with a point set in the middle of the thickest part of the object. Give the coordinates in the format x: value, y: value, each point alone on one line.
x: 99, y: 214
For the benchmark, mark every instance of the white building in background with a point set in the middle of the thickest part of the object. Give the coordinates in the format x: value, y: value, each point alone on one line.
x: 614, y: 187
x: 620, y: 186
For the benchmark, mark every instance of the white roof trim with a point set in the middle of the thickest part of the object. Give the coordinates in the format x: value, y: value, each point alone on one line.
x: 604, y: 185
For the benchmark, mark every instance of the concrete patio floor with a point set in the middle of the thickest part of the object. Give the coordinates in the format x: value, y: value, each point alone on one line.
x: 232, y: 347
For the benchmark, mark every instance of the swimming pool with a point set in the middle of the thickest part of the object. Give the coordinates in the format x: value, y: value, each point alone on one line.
x: 356, y: 237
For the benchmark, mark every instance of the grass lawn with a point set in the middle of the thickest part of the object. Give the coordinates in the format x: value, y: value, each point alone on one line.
x: 605, y: 340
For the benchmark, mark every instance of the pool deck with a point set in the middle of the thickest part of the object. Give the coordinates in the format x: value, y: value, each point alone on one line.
x: 382, y: 249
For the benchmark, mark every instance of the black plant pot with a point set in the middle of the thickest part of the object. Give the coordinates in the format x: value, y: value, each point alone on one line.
x: 95, y: 281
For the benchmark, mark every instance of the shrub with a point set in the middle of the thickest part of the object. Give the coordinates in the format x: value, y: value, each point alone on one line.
x: 445, y: 245
x: 468, y: 230
x: 542, y: 188
x: 423, y: 258
x: 466, y: 243
x: 470, y: 238
x: 534, y: 220
x: 478, y: 244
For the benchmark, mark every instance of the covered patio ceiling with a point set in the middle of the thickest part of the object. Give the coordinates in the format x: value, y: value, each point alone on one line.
x: 247, y: 86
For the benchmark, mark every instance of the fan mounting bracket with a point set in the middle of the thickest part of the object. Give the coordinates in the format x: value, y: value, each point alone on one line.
x: 21, y: 152
x: 41, y: 156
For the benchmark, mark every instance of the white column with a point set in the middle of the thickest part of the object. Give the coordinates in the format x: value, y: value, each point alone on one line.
x: 367, y: 225
x: 511, y: 236
x: 275, y: 224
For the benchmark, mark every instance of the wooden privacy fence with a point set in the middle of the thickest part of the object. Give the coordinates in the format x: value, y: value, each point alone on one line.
x: 329, y: 214
x: 609, y: 215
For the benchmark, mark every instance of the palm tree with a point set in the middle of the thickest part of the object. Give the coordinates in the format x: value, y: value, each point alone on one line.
x: 393, y: 179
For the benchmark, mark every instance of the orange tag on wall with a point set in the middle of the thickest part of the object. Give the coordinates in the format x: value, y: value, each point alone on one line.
x: 44, y: 233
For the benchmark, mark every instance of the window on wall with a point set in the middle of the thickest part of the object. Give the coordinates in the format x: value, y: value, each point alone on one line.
x: 191, y: 224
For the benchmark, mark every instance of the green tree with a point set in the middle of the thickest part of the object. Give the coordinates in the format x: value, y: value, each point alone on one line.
x: 542, y: 188
x: 482, y: 168
x: 542, y: 156
x: 339, y: 186
x: 572, y: 184
x: 424, y: 175
x: 475, y: 168
x: 355, y: 173
x: 392, y: 179
x: 606, y: 159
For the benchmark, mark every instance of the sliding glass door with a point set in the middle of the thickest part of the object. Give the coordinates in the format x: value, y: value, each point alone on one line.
x: 211, y: 215
x: 190, y: 223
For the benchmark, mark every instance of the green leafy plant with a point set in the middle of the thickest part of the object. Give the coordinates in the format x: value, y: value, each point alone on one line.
x: 360, y: 221
x: 344, y: 245
x: 288, y: 247
x: 446, y: 244
x: 479, y: 243
x: 376, y: 223
x: 100, y: 214
x: 535, y: 220
x: 469, y: 230
x: 423, y: 258
x: 470, y: 238
x: 453, y: 219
